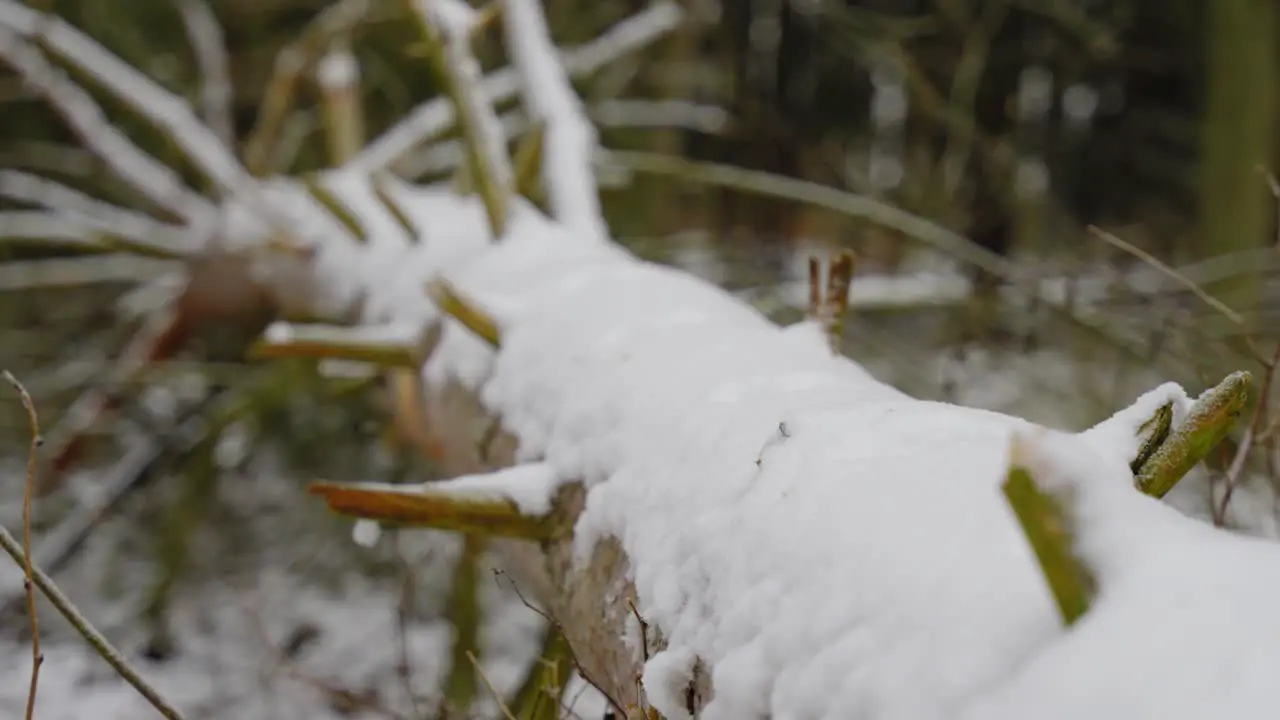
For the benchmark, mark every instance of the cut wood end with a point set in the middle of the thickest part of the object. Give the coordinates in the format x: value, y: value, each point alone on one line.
x: 485, y: 516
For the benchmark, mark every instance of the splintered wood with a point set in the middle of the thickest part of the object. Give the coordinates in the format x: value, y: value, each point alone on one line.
x: 829, y: 301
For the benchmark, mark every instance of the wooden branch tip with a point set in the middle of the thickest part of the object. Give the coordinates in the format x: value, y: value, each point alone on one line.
x: 382, y: 355
x: 1208, y: 422
x: 814, y: 310
x: 1046, y: 526
x: 424, y: 506
x: 465, y: 311
x: 829, y: 300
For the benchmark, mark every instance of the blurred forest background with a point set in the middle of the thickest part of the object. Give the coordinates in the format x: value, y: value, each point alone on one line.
x: 1017, y: 124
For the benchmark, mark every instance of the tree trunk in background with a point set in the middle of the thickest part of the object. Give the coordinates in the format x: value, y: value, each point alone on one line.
x: 1239, y: 136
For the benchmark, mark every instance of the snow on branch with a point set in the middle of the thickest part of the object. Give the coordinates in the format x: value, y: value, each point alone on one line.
x: 105, y: 217
x: 154, y: 180
x: 569, y: 144
x: 209, y: 44
x: 514, y: 502
x: 161, y: 107
x: 448, y: 41
x: 60, y: 228
x: 296, y: 58
x: 433, y: 118
x: 804, y: 541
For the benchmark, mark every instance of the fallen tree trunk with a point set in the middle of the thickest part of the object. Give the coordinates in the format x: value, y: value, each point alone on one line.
x: 726, y: 519
x: 737, y: 523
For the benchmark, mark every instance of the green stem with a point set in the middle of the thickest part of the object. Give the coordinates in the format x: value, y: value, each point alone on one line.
x: 1044, y: 523
x: 1211, y: 417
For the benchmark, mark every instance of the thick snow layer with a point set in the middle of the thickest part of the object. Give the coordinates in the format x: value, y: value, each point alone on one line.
x: 826, y: 546
x: 1185, y: 624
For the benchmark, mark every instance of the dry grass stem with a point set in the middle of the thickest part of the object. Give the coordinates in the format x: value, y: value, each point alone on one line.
x: 28, y: 584
x: 96, y: 639
x: 502, y: 705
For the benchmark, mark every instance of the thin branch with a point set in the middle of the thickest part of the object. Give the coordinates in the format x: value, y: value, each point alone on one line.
x: 1173, y: 274
x: 295, y: 59
x: 943, y: 240
x: 486, y: 146
x: 153, y: 179
x: 209, y: 44
x: 82, y: 234
x: 95, y: 638
x: 1257, y: 431
x: 432, y: 119
x: 389, y: 346
x: 502, y: 705
x: 153, y: 102
x: 431, y: 506
x: 28, y: 586
x: 762, y: 183
x: 36, y: 190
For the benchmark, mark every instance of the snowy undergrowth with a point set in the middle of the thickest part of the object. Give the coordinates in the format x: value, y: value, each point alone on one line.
x: 826, y: 546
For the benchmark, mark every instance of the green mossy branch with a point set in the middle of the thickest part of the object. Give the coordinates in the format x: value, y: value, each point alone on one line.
x: 1151, y: 435
x: 1211, y: 417
x: 465, y: 311
x: 1045, y: 524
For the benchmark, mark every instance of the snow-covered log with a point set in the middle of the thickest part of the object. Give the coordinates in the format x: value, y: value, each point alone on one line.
x: 752, y: 527
x: 726, y: 519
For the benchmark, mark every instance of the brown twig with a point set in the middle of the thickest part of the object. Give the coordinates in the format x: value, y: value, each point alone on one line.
x: 37, y: 659
x: 91, y: 634
x: 1195, y: 288
x: 828, y: 302
x: 1258, y: 431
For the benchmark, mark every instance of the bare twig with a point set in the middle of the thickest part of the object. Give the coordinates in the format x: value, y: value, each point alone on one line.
x: 433, y: 118
x: 1258, y: 431
x: 159, y: 183
x: 106, y: 218
x: 209, y: 45
x: 37, y: 659
x: 1173, y: 274
x: 502, y: 705
x: 91, y: 634
x: 163, y: 109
